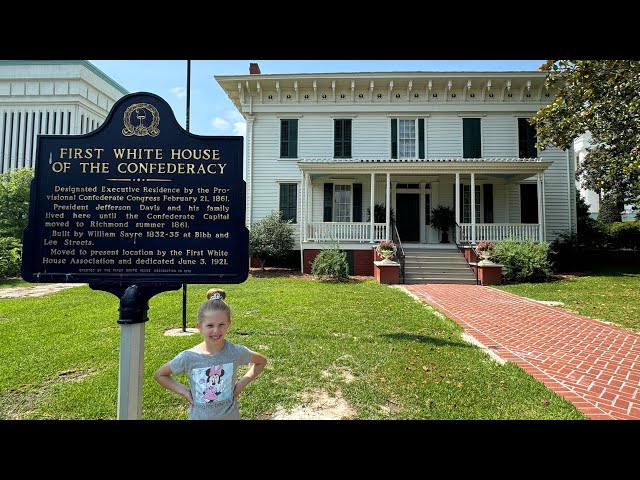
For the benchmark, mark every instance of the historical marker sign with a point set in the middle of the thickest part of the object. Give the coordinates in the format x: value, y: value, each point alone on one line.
x: 137, y: 200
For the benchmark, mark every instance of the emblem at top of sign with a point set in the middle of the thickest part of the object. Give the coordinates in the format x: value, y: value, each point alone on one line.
x: 141, y: 120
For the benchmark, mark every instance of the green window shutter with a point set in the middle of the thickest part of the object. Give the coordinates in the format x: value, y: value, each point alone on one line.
x: 357, y: 202
x: 477, y: 199
x: 347, y: 139
x: 293, y: 138
x: 488, y: 202
x: 284, y: 138
x: 328, y: 202
x: 471, y: 142
x: 421, y: 138
x: 289, y: 201
x: 337, y: 138
x: 394, y: 138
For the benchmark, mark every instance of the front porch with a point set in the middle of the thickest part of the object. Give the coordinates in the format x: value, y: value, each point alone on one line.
x: 337, y: 198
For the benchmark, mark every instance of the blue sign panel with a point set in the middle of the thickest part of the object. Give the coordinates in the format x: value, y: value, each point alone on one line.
x: 137, y: 200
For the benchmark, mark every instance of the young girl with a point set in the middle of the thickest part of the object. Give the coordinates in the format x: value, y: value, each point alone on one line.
x: 212, y: 365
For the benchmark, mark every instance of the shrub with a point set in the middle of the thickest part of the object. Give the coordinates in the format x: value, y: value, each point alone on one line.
x: 565, y: 252
x: 625, y: 235
x: 610, y: 210
x: 524, y: 261
x: 442, y: 219
x: 270, y: 238
x: 10, y: 250
x: 14, y: 198
x: 331, y: 263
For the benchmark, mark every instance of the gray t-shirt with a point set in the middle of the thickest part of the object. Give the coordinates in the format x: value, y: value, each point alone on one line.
x: 212, y: 379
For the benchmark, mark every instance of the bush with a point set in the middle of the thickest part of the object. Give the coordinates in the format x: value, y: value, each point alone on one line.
x: 270, y: 238
x: 380, y: 214
x: 14, y: 198
x: 610, y: 210
x: 591, y: 233
x: 332, y: 263
x: 524, y: 261
x: 625, y: 235
x: 565, y: 252
x: 10, y: 250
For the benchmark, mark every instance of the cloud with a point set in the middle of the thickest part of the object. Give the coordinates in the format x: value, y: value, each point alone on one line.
x: 240, y: 128
x: 180, y: 92
x: 220, y: 123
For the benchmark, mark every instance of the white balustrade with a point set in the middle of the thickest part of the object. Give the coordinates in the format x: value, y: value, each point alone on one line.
x: 496, y: 232
x: 342, y: 231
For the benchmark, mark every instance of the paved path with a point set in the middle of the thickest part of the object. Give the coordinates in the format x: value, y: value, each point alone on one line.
x: 35, y: 290
x: 594, y: 365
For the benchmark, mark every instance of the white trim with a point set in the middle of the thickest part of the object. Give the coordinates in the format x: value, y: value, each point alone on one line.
x: 408, y: 116
x: 288, y: 181
x: 345, y: 116
x: 472, y: 114
x: 286, y: 116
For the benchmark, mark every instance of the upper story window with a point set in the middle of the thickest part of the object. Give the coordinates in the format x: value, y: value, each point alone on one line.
x: 342, y: 138
x: 471, y: 138
x: 407, y: 138
x: 289, y: 138
x: 526, y: 139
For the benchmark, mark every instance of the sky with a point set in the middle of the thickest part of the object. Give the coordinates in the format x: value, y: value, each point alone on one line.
x: 212, y: 113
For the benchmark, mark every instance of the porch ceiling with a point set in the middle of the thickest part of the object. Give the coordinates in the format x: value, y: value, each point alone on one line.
x: 515, y: 167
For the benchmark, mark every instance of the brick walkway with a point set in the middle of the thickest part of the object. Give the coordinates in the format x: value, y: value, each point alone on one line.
x: 594, y: 365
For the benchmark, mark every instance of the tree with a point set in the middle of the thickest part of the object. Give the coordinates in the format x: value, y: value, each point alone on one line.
x: 602, y: 97
x: 270, y: 238
x: 609, y: 211
x: 14, y: 202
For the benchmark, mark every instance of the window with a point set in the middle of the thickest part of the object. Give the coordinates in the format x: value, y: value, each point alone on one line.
x: 466, y: 203
x: 342, y: 138
x: 288, y: 138
x: 342, y: 203
x: 471, y: 139
x: 289, y: 201
x: 405, y: 138
x: 526, y: 139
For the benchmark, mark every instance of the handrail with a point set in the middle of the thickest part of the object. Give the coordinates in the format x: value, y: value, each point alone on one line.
x: 395, y: 236
x: 464, y: 239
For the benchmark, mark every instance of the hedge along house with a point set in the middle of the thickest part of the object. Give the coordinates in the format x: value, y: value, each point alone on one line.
x: 323, y: 148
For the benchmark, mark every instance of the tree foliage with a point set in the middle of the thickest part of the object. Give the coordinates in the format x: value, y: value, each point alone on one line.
x: 270, y: 238
x: 14, y: 202
x: 602, y: 97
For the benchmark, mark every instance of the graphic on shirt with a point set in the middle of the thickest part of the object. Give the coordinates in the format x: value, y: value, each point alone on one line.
x: 214, y: 383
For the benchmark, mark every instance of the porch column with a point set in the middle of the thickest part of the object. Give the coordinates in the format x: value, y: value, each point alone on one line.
x: 372, y: 206
x: 305, y: 205
x: 388, y: 202
x: 473, y: 207
x: 544, y: 211
x: 456, y: 202
x: 539, y: 177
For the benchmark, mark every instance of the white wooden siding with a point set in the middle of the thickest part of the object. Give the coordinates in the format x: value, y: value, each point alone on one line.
x: 556, y: 199
x: 443, y: 136
x: 371, y: 137
x: 315, y: 136
x: 268, y: 168
x: 500, y: 136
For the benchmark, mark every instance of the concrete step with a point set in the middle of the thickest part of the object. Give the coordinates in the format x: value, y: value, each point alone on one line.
x: 435, y: 261
x: 456, y: 281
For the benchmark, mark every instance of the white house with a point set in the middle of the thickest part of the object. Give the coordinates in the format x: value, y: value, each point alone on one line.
x: 323, y: 148
x: 49, y: 97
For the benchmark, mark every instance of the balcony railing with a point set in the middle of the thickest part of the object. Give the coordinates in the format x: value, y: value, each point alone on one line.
x: 495, y: 232
x: 345, y: 232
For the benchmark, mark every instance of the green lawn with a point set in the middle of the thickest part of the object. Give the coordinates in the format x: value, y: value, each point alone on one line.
x: 15, y: 282
x: 60, y: 355
x: 609, y: 293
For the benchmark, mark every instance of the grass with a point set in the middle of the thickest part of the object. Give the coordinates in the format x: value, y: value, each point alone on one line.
x: 609, y: 292
x: 60, y: 355
x: 14, y: 282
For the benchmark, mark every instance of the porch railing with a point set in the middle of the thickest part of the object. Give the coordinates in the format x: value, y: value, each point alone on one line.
x: 395, y: 236
x: 496, y: 232
x: 345, y: 232
x: 461, y: 242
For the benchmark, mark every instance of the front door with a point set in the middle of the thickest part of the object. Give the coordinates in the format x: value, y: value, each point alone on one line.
x: 408, y: 216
